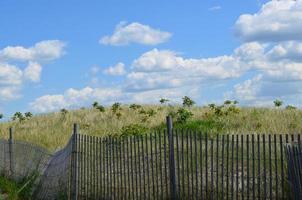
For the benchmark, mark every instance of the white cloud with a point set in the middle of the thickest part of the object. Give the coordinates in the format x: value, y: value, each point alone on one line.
x: 166, y: 69
x: 156, y: 60
x: 276, y: 21
x: 33, y: 72
x: 94, y: 70
x: 42, y: 51
x: 8, y: 93
x: 248, y: 90
x: 135, y: 33
x: 116, y: 70
x: 49, y: 103
x: 10, y: 75
x: 13, y: 77
x: 75, y: 98
x: 290, y: 50
x: 214, y: 8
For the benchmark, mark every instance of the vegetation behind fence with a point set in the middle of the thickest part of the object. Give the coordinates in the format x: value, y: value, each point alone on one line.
x: 163, y: 164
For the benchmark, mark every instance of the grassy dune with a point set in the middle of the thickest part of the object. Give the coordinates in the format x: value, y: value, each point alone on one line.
x: 53, y: 130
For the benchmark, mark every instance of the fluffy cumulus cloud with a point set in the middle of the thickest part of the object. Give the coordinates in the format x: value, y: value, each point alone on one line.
x: 116, y: 70
x: 166, y: 69
x: 33, y: 72
x: 12, y: 77
x: 74, y: 98
x: 41, y: 51
x: 135, y: 33
x: 275, y: 21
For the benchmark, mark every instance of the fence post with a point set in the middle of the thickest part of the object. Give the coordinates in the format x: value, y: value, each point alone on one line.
x: 74, y: 164
x: 11, y: 152
x: 171, y: 158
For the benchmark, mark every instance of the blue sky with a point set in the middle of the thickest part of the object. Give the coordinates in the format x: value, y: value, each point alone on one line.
x: 67, y: 54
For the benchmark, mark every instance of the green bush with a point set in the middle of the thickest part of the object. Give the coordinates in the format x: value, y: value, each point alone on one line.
x: 290, y: 107
x: 18, y: 116
x: 28, y: 115
x: 135, y: 106
x: 133, y: 129
x: 163, y: 100
x: 187, y: 101
x: 100, y: 108
x: 183, y: 115
x: 278, y: 103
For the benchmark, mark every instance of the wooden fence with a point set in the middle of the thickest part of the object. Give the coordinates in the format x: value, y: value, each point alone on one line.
x: 180, y: 164
x: 294, y: 162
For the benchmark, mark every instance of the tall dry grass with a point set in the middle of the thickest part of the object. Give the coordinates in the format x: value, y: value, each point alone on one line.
x: 53, y: 130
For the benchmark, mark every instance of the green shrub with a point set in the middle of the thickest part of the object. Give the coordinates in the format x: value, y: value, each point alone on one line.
x: 163, y: 100
x: 151, y: 112
x: 278, y: 103
x: 183, y: 115
x: 64, y: 111
x: 227, y: 102
x: 18, y: 116
x: 290, y: 107
x: 95, y: 104
x: 100, y: 108
x: 133, y: 129
x: 187, y: 101
x: 116, y: 107
x: 135, y: 106
x: 28, y: 115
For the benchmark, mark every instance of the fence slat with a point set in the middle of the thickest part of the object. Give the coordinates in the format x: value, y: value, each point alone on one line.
x: 259, y: 169
x: 232, y: 169
x: 212, y: 168
x: 144, y: 175
x: 206, y: 164
x: 248, y: 167
x: 131, y: 166
x: 201, y: 166
x: 187, y: 164
x: 196, y: 164
x: 139, y: 167
x: 178, y: 164
x: 148, y: 168
x: 182, y: 164
x: 217, y: 167
x: 165, y: 155
x: 171, y: 158
x: 161, y: 164
x: 156, y: 167
x: 152, y: 167
x: 264, y: 165
x: 253, y: 166
x: 191, y: 165
x: 135, y: 168
x: 222, y: 167
x: 270, y: 167
x: 237, y: 160
x: 242, y: 167
x: 276, y: 166
x: 227, y: 167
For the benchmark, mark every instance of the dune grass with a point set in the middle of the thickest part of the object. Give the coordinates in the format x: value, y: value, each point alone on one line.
x: 53, y: 130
